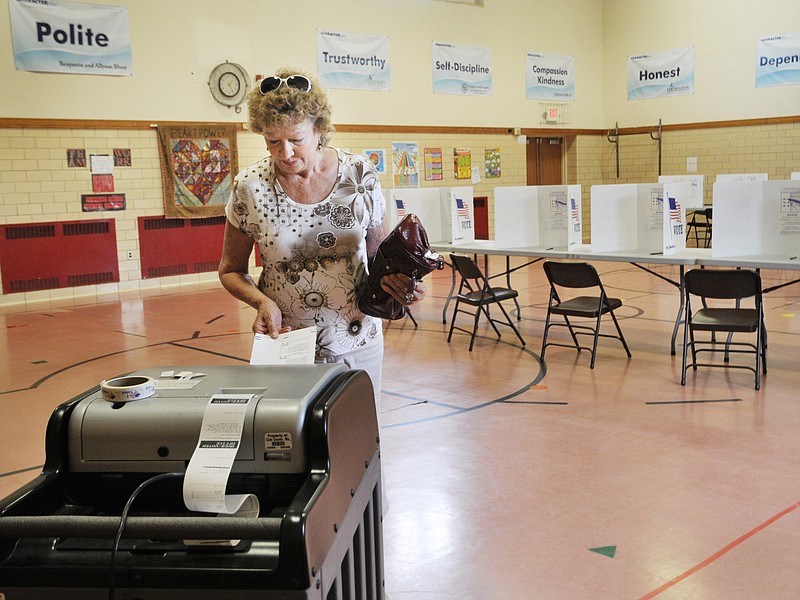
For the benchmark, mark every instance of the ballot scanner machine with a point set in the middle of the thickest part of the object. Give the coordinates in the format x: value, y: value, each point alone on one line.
x: 309, y: 455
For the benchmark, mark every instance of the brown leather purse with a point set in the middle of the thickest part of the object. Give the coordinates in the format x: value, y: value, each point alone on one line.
x: 405, y: 250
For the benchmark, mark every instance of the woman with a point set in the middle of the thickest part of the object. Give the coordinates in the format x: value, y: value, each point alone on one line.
x: 315, y: 213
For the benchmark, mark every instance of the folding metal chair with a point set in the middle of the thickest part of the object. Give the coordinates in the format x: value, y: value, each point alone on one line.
x: 474, y: 290
x: 701, y: 227
x: 572, y: 275
x: 732, y: 285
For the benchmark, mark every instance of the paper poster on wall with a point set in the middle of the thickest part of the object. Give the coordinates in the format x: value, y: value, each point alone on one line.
x: 491, y: 162
x: 433, y: 164
x: 461, y: 69
x: 377, y: 157
x: 778, y: 60
x: 405, y: 161
x: 462, y: 163
x: 71, y: 37
x: 353, y: 61
x: 549, y: 76
x: 122, y: 157
x: 76, y: 158
x: 668, y: 73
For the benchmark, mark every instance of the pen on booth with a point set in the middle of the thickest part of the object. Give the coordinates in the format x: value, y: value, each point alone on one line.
x: 550, y: 248
x: 792, y: 257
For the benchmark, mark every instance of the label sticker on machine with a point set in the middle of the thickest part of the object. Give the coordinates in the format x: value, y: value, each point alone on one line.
x: 278, y: 441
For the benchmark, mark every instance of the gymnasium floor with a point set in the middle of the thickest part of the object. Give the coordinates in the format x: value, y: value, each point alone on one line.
x: 507, y: 479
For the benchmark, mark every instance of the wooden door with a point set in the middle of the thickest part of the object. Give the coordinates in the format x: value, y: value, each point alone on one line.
x: 544, y: 157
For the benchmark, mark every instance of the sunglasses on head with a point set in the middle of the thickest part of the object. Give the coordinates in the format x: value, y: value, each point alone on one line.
x: 297, y: 82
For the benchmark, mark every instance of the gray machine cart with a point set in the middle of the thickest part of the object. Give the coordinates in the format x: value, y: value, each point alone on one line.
x: 309, y: 452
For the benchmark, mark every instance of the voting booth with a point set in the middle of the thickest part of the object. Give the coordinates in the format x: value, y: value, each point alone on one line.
x: 643, y: 217
x: 695, y: 189
x: 448, y: 214
x: 548, y: 217
x: 306, y: 457
x: 759, y: 217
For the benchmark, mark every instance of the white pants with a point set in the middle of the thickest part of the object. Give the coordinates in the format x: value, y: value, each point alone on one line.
x: 369, y: 359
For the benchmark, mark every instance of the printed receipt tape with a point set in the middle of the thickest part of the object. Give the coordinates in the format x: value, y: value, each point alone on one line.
x: 125, y: 389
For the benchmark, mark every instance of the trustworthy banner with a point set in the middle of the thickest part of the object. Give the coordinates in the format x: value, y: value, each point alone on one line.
x: 549, y: 76
x: 353, y: 61
x: 778, y: 60
x: 67, y: 37
x: 462, y: 70
x: 668, y: 73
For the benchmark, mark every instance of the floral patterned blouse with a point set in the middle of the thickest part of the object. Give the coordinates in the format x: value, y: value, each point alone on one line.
x: 314, y: 256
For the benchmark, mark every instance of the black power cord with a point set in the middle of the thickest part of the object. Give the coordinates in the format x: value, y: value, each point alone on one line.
x: 123, y: 520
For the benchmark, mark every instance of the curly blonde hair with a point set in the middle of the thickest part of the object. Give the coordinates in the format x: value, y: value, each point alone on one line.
x: 287, y: 106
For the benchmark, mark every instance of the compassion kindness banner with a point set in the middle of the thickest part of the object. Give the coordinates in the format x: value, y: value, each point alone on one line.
x: 353, y: 61
x: 549, y: 76
x: 68, y: 37
x: 668, y: 73
x: 462, y: 70
x: 778, y: 60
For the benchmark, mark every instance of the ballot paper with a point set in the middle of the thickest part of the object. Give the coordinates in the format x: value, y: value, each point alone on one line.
x: 292, y: 348
x: 211, y: 463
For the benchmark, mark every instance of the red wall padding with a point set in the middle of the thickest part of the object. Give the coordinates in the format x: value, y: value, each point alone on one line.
x: 41, y: 256
x: 179, y: 246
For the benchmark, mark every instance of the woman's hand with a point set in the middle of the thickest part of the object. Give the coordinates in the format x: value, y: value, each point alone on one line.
x: 269, y: 319
x: 403, y: 288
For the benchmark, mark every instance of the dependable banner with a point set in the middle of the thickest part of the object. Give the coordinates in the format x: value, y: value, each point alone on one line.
x: 69, y: 37
x: 353, y: 61
x: 778, y: 60
x: 668, y: 73
x: 549, y: 76
x: 462, y: 70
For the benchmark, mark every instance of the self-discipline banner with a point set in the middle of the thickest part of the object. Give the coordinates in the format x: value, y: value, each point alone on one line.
x: 778, y: 60
x: 462, y: 70
x: 668, y: 73
x: 353, y: 61
x: 549, y: 76
x: 68, y: 37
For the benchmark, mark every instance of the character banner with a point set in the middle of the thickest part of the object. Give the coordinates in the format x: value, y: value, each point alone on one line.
x: 68, y: 37
x: 668, y: 73
x: 778, y: 60
x: 353, y: 61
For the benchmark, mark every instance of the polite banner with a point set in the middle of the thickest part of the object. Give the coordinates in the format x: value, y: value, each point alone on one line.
x: 353, y: 61
x: 778, y: 60
x: 462, y: 70
x: 549, y: 76
x: 668, y: 73
x: 68, y: 37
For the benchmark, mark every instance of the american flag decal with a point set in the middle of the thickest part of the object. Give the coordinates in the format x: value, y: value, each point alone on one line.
x: 401, y: 209
x: 461, y: 206
x: 574, y: 205
x: 674, y: 210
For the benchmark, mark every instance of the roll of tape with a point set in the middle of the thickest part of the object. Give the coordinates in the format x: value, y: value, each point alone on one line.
x: 125, y: 389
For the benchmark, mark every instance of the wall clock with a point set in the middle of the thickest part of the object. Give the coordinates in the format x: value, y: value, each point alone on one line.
x: 229, y: 84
